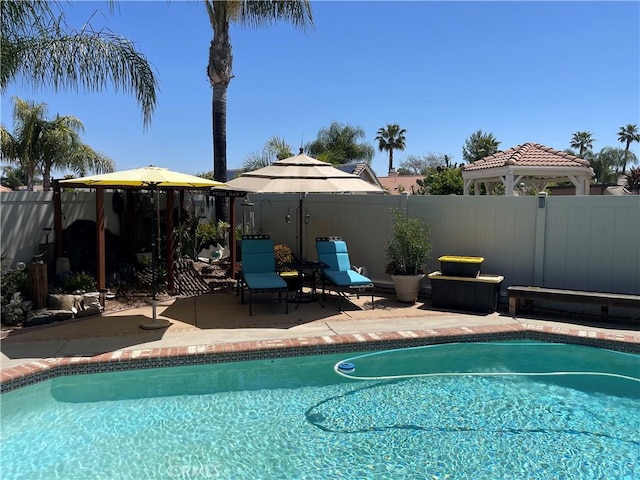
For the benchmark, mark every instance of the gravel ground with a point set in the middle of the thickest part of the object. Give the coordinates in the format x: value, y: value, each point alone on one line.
x: 191, y: 278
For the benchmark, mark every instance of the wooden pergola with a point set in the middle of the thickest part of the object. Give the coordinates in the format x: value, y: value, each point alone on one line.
x: 100, y: 223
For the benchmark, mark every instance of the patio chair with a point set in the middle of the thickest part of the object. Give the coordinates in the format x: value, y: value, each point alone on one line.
x: 259, y: 270
x: 340, y: 276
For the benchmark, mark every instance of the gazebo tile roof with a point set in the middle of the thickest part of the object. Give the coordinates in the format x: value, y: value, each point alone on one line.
x: 527, y: 155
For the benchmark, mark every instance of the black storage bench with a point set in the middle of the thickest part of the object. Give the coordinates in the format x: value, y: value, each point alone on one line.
x: 478, y: 294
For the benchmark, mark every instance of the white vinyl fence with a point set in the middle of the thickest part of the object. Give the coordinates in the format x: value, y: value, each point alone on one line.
x: 573, y: 242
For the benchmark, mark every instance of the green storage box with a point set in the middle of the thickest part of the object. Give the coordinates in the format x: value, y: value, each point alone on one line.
x: 478, y: 294
x: 460, y: 266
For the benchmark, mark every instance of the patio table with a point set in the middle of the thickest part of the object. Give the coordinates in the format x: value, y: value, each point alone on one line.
x: 307, y: 274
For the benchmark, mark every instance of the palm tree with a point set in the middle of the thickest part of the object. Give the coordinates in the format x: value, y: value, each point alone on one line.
x: 39, y: 48
x: 222, y: 13
x: 627, y: 135
x: 605, y: 163
x: 13, y: 177
x: 479, y: 145
x: 21, y: 148
x: 583, y: 141
x: 340, y: 144
x: 41, y: 145
x: 391, y: 138
x: 276, y: 148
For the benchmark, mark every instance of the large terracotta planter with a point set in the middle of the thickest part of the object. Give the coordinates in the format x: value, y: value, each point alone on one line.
x: 407, y: 287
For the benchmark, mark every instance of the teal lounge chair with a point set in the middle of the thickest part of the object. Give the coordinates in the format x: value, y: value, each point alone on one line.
x: 339, y: 276
x: 259, y: 269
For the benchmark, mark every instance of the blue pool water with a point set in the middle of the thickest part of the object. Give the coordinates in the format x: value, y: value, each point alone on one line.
x: 459, y: 411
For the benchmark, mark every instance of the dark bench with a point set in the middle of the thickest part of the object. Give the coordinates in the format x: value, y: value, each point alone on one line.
x: 605, y: 300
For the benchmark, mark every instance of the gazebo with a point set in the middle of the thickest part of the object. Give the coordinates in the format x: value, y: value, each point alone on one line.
x: 529, y: 163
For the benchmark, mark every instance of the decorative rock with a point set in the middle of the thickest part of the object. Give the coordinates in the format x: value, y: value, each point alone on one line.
x: 40, y: 317
x: 88, y: 312
x: 13, y: 313
x: 62, y: 315
x: 91, y: 300
x: 64, y: 302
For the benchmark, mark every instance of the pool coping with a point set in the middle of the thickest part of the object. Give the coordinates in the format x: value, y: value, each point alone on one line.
x: 28, y: 373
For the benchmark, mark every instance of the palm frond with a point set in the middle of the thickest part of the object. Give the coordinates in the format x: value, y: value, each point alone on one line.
x: 90, y: 60
x: 259, y: 13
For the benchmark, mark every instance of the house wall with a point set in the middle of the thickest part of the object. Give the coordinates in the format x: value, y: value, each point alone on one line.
x: 583, y: 243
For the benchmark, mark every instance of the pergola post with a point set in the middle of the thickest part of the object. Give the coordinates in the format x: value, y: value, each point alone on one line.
x: 101, y: 275
x: 170, y: 263
x: 57, y: 220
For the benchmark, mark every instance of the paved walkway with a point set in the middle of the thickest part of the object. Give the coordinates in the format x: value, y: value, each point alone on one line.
x: 220, y: 319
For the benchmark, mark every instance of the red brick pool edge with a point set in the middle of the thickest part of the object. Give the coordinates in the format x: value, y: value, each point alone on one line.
x: 128, y: 359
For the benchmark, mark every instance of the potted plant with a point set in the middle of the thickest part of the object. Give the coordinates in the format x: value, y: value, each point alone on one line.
x: 408, y: 251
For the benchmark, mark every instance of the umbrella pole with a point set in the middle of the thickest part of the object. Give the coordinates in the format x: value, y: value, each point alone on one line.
x: 154, y: 324
x: 301, y: 229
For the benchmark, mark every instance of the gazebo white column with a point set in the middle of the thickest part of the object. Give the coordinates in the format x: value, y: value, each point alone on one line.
x: 466, y: 184
x: 508, y: 181
x: 581, y: 183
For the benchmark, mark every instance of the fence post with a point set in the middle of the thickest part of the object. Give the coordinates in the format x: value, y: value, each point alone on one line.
x: 540, y: 232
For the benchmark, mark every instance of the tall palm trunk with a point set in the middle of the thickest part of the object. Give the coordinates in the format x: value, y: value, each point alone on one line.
x: 626, y: 153
x: 219, y: 116
x: 390, y: 159
x: 46, y: 177
x: 219, y: 71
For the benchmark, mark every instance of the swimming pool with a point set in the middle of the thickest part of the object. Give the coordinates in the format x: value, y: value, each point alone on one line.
x: 465, y: 410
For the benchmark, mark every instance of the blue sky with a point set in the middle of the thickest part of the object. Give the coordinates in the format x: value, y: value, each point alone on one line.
x: 524, y: 71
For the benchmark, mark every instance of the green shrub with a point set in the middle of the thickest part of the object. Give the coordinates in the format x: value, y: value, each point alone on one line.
x: 15, y: 281
x: 79, y: 281
x: 409, y: 248
x: 210, y: 234
x: 206, y: 234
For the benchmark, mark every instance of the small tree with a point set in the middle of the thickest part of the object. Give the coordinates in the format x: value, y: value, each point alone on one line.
x: 633, y: 181
x: 442, y: 181
x: 409, y: 248
x: 605, y: 163
x: 421, y: 165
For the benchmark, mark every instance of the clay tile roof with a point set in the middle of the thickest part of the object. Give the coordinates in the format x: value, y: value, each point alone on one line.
x: 398, y: 184
x: 528, y: 155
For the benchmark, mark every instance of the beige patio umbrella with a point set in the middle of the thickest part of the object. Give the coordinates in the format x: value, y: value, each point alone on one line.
x: 153, y: 178
x: 302, y: 174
